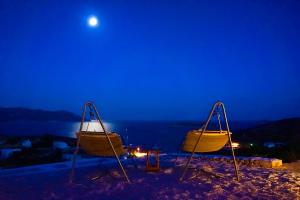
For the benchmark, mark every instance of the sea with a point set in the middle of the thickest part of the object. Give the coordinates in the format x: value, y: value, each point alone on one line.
x: 164, y: 135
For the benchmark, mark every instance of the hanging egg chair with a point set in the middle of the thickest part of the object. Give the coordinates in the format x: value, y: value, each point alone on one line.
x: 95, y: 140
x: 203, y: 140
x: 209, y: 141
x: 97, y: 144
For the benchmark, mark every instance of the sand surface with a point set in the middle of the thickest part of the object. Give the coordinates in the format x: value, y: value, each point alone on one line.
x: 293, y: 167
x: 216, y: 182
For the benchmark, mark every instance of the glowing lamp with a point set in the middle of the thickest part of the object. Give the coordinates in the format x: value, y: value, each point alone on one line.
x: 235, y: 145
x: 138, y: 153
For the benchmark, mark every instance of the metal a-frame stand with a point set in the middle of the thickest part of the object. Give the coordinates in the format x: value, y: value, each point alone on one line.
x: 216, y: 105
x: 93, y: 109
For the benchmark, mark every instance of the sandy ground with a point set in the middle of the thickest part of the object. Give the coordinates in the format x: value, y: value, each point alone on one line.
x: 293, y: 167
x: 255, y: 183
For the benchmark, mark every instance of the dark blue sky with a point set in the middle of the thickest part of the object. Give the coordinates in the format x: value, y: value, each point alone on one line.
x: 152, y: 59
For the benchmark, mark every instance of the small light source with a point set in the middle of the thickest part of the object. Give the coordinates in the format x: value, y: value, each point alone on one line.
x: 138, y: 153
x: 93, y: 21
x: 235, y: 145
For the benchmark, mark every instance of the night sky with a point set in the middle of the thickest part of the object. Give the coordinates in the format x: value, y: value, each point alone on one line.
x: 152, y: 60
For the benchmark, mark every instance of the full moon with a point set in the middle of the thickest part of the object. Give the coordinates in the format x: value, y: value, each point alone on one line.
x: 93, y: 21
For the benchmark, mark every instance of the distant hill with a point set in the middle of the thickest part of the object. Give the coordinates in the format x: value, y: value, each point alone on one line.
x: 26, y: 114
x: 286, y: 130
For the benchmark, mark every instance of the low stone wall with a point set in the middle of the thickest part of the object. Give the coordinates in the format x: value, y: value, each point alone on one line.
x: 261, y: 162
x: 249, y: 161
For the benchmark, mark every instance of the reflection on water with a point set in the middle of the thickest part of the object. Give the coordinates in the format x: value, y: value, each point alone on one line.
x: 30, y: 128
x: 94, y: 126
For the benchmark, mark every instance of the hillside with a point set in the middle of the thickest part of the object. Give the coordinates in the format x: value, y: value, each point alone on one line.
x: 26, y: 114
x: 286, y: 130
x: 285, y: 133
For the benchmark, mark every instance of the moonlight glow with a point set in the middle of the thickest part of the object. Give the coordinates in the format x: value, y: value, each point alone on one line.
x: 93, y: 21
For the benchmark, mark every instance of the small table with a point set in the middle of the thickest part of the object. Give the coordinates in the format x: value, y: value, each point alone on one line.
x: 155, y: 167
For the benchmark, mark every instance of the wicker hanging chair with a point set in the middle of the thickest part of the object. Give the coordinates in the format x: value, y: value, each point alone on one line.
x: 97, y: 141
x: 210, y: 141
x: 97, y: 144
x: 203, y: 140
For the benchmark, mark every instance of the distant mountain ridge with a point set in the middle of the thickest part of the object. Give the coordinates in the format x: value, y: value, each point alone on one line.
x: 27, y: 114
